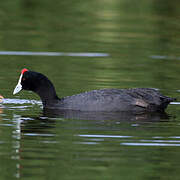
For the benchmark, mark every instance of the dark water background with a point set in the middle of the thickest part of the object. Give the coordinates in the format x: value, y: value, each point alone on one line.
x: 140, y: 44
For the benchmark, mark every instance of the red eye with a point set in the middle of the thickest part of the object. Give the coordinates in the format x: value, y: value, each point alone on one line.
x: 23, y: 79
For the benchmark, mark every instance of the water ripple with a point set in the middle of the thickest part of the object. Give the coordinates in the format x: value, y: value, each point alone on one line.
x: 103, y: 136
x: 132, y: 140
x: 27, y: 53
x: 20, y: 101
x: 149, y: 144
x: 164, y: 57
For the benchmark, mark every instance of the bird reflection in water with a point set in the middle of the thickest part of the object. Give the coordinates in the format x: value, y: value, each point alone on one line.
x: 42, y: 129
x: 103, y: 116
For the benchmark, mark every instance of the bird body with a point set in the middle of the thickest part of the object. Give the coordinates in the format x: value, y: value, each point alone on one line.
x: 137, y: 99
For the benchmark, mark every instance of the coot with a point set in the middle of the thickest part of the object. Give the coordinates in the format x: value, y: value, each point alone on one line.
x: 109, y: 100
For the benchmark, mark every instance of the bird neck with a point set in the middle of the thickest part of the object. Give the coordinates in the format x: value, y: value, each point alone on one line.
x: 48, y: 96
x: 47, y: 93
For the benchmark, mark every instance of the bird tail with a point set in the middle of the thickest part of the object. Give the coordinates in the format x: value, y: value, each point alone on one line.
x: 165, y: 101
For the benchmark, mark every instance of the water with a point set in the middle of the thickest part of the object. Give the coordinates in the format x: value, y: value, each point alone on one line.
x: 83, y: 46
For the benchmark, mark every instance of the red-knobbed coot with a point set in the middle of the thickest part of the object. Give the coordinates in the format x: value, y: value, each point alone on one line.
x: 111, y: 100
